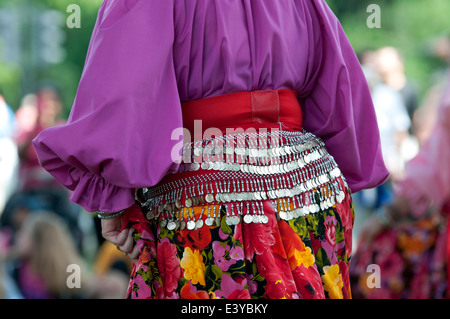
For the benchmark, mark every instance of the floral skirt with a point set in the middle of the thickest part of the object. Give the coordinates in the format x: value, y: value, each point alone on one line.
x: 269, y: 220
x: 305, y: 257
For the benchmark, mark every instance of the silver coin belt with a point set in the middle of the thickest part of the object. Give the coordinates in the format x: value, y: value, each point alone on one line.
x: 292, y: 169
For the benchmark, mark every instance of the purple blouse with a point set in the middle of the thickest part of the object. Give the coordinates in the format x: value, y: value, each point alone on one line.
x: 147, y: 55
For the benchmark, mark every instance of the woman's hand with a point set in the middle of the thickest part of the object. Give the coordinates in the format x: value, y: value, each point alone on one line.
x: 124, y: 241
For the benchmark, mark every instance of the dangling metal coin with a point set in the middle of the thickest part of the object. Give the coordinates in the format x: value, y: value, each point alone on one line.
x: 248, y: 219
x: 199, y: 223
x: 190, y: 225
x: 301, y: 212
x: 197, y: 151
x: 307, y: 159
x: 205, y: 165
x: 171, y: 225
x: 209, y: 221
x: 264, y: 219
x: 209, y: 198
x: 287, y: 150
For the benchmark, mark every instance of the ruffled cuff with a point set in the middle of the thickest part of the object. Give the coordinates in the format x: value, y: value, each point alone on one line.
x: 94, y: 193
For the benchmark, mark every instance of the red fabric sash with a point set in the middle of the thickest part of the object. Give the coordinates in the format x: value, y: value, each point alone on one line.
x: 257, y: 109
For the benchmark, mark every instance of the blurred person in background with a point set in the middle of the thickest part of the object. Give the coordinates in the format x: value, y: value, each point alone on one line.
x: 8, y: 286
x: 43, y: 250
x: 38, y: 263
x: 36, y: 113
x: 425, y: 117
x: 391, y: 68
x: 394, y: 124
x: 37, y: 189
x: 389, y: 64
x: 9, y: 160
x: 410, y: 239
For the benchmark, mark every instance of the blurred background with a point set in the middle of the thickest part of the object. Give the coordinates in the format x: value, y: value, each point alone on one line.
x: 42, y: 53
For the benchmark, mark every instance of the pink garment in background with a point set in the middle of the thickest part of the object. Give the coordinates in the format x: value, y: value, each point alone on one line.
x: 427, y: 178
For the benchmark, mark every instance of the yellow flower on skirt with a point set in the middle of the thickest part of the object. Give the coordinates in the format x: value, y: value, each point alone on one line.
x: 194, y: 268
x: 304, y: 257
x: 332, y: 281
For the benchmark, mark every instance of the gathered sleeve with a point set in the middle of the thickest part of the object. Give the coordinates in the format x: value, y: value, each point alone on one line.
x: 337, y: 102
x: 118, y: 135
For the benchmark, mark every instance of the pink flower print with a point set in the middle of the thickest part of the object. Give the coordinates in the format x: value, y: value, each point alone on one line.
x: 224, y: 257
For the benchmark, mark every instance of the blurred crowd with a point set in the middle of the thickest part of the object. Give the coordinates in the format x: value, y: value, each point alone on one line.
x: 395, y: 100
x: 405, y: 121
x: 42, y: 232
x: 402, y: 227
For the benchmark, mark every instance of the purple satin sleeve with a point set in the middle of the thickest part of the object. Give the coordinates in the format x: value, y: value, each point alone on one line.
x: 337, y: 103
x: 118, y: 136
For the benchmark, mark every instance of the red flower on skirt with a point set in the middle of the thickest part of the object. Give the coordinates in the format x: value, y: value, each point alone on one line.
x: 330, y: 230
x: 258, y: 238
x: 308, y: 282
x: 197, y: 239
x: 276, y: 270
x: 291, y: 240
x: 168, y: 266
x: 346, y: 290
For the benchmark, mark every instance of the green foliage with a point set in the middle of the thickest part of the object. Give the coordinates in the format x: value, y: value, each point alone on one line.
x: 65, y: 75
x: 410, y: 26
x: 10, y: 82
